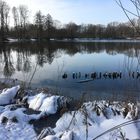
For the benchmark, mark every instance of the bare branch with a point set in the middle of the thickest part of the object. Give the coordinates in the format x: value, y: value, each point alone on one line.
x: 119, y: 2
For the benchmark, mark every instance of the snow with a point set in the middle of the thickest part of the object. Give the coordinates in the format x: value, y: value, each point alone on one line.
x: 12, y: 40
x: 100, y: 40
x: 14, y: 124
x: 51, y: 137
x: 94, y: 118
x: 1, y: 109
x: 19, y: 115
x: 36, y: 101
x: 7, y: 95
x: 65, y: 136
x: 46, y: 103
x: 87, y: 122
x: 49, y: 105
x: 15, y: 131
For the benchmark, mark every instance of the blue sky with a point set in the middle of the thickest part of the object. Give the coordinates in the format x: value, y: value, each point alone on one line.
x: 79, y: 11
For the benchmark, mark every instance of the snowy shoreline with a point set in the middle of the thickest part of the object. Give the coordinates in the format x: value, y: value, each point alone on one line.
x: 102, y: 40
x: 86, y: 121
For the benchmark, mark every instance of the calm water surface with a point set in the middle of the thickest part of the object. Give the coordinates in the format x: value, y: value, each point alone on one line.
x: 47, y: 62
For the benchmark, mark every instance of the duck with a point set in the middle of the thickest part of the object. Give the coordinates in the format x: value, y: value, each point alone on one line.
x: 73, y: 75
x: 133, y: 74
x: 110, y: 75
x: 94, y: 75
x: 105, y: 75
x: 120, y: 74
x: 86, y: 75
x: 64, y: 76
x: 115, y: 75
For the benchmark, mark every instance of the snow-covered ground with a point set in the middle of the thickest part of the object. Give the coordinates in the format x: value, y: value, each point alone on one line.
x: 11, y: 40
x: 14, y: 124
x: 94, y: 118
x: 7, y: 95
x: 100, y: 40
x: 86, y: 123
x: 46, y: 103
x: 15, y: 131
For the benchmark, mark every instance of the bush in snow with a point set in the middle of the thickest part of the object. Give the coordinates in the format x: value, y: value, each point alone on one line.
x: 94, y: 118
x: 47, y: 103
x: 7, y: 95
x: 18, y: 115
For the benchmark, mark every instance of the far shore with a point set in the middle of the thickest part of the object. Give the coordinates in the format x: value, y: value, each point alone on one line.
x: 102, y: 40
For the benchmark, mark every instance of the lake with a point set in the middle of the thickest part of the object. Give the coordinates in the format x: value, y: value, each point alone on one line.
x: 45, y: 63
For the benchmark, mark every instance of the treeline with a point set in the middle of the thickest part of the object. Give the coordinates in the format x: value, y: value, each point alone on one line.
x: 45, y: 53
x: 44, y: 27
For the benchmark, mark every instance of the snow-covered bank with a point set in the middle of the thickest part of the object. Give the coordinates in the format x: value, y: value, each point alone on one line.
x: 13, y: 40
x: 47, y: 103
x: 7, y: 95
x: 15, y: 131
x: 14, y: 119
x: 87, y: 122
x: 94, y: 118
x: 98, y: 40
x: 14, y: 123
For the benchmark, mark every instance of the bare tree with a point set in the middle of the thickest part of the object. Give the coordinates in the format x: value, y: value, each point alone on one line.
x: 129, y: 13
x: 71, y: 30
x: 23, y: 19
x: 4, y: 15
x: 39, y: 22
x: 16, y: 20
x: 48, y: 26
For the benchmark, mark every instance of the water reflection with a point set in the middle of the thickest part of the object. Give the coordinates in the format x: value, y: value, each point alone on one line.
x: 59, y: 62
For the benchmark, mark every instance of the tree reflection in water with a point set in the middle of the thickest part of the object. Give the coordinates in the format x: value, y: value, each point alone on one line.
x: 23, y: 57
x: 8, y: 69
x: 46, y: 52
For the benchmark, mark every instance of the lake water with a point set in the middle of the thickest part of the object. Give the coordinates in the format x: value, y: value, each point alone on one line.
x: 45, y: 63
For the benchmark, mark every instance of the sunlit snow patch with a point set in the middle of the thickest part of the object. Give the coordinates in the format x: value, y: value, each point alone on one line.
x: 7, y: 95
x: 94, y: 118
x: 46, y: 103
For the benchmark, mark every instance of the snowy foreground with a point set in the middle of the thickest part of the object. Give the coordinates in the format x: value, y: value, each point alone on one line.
x: 85, y: 122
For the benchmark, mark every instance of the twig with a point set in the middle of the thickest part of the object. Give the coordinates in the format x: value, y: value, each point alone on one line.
x: 118, y: 126
x: 32, y: 75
